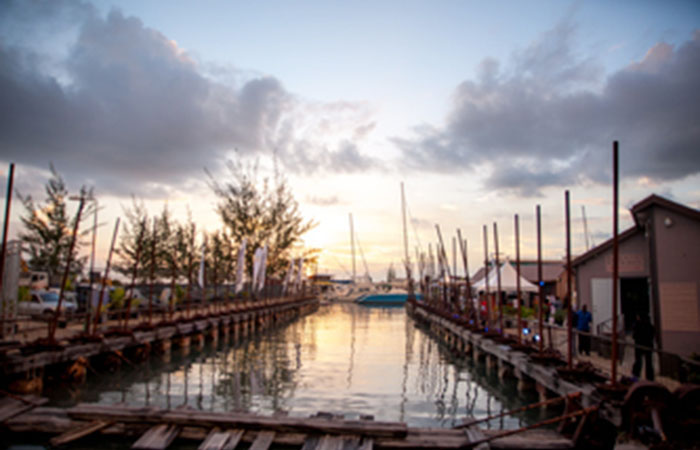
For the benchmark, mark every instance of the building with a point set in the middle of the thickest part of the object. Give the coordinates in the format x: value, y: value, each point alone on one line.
x: 659, y: 275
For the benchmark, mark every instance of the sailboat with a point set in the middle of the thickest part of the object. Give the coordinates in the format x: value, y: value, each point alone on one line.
x: 399, y: 293
x: 359, y: 286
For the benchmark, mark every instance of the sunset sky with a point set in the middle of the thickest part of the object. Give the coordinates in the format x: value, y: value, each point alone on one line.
x: 482, y: 109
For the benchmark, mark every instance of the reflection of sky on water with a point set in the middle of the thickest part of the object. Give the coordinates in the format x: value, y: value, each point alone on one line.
x: 344, y: 359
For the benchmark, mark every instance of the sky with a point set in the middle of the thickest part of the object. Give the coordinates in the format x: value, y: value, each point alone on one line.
x: 482, y: 109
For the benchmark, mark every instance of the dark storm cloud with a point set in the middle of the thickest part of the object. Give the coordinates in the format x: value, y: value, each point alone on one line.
x: 548, y: 120
x: 126, y: 106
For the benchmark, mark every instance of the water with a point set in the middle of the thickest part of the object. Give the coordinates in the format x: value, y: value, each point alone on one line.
x: 345, y: 359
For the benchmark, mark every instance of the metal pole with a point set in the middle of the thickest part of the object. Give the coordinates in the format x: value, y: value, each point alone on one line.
x: 105, y: 276
x: 445, y: 261
x: 498, y: 279
x: 463, y: 248
x: 407, y: 262
x: 5, y: 228
x: 153, y: 272
x: 66, y: 272
x: 540, y: 283
x: 615, y: 262
x: 517, y: 280
x: 352, y: 247
x: 486, y: 278
x: 569, y: 314
x: 88, y: 306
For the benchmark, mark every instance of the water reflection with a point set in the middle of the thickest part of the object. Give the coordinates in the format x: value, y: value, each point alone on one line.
x: 345, y: 359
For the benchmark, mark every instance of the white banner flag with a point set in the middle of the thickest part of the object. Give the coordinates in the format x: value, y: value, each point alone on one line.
x: 298, y: 283
x: 257, y: 261
x: 240, y: 273
x: 288, y: 277
x: 263, y: 269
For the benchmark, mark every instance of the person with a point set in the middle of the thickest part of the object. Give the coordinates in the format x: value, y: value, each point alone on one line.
x: 643, y: 334
x: 583, y: 325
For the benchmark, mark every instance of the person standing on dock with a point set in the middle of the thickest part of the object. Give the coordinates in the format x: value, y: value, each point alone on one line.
x: 643, y: 334
x: 583, y: 325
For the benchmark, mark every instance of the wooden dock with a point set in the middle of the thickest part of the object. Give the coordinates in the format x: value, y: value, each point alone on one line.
x: 240, y: 320
x: 155, y: 428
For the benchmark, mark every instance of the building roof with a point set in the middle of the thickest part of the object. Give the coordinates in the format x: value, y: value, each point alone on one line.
x: 551, y: 269
x: 603, y: 247
x: 636, y: 211
x: 655, y: 200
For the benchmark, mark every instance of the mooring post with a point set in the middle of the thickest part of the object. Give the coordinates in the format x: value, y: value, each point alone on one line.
x: 517, y: 280
x: 540, y: 283
x: 3, y: 250
x: 499, y: 299
x: 616, y: 249
x: 569, y: 313
x: 105, y: 277
x: 486, y: 278
x: 64, y: 279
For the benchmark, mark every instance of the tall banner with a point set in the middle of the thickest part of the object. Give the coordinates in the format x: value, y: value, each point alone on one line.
x: 257, y: 261
x: 240, y: 266
x: 300, y: 266
x: 263, y: 269
x: 288, y: 277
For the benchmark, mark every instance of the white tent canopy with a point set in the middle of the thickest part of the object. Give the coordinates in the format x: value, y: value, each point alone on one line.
x: 508, y: 281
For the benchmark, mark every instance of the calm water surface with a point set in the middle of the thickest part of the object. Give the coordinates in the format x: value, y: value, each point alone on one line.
x: 345, y: 358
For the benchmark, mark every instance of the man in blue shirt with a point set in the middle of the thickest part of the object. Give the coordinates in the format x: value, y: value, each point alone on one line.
x: 583, y: 324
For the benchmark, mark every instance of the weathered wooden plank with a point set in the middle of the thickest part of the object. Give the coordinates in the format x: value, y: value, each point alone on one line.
x: 366, y: 444
x: 158, y: 437
x: 263, y: 441
x: 311, y: 442
x: 222, y: 440
x: 80, y: 431
x: 239, y: 420
x: 11, y: 407
x: 329, y: 442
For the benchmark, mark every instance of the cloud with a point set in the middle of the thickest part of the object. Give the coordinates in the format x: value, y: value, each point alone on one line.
x: 548, y: 118
x: 121, y: 103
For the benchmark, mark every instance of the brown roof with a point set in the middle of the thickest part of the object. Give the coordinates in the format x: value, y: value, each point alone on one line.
x: 528, y: 270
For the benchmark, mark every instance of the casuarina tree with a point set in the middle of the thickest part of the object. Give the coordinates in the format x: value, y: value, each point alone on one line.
x: 48, y: 228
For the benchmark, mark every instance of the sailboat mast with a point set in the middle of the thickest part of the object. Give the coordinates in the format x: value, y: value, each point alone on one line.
x: 405, y: 232
x: 352, y: 246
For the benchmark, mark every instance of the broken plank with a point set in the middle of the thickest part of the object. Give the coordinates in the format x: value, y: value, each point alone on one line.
x: 158, y: 437
x: 221, y: 440
x: 11, y: 407
x: 79, y: 432
x: 329, y: 442
x: 263, y: 441
x: 310, y: 443
x: 366, y: 444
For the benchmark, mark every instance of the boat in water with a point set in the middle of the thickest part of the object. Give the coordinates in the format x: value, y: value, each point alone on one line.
x: 386, y: 299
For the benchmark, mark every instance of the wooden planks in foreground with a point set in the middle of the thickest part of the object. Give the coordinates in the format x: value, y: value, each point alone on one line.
x: 153, y: 428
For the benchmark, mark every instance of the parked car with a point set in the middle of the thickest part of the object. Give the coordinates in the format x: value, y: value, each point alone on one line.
x: 43, y: 304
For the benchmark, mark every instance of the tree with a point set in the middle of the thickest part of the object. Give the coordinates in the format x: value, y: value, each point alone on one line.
x: 48, y: 230
x: 265, y: 214
x: 134, y: 243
